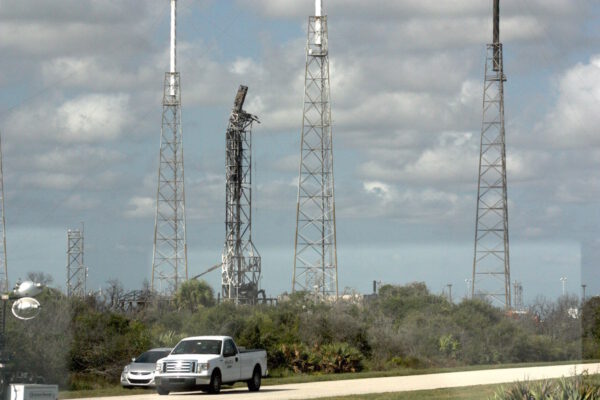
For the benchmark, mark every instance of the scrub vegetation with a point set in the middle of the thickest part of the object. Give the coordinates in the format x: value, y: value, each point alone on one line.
x: 84, y: 343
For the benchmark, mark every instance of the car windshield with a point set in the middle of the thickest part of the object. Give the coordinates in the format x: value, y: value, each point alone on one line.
x: 198, y: 347
x: 150, y: 357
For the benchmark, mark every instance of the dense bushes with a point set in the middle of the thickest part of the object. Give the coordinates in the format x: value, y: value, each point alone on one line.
x: 327, y: 358
x: 84, y: 343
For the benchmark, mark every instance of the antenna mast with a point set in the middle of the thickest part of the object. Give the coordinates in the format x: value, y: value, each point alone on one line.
x: 169, y: 262
x: 315, y: 253
x: 491, y: 263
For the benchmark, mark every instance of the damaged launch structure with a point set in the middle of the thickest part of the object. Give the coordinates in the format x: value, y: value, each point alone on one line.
x: 241, y: 262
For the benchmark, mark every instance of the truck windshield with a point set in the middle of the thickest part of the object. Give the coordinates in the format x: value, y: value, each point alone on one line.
x: 198, y: 347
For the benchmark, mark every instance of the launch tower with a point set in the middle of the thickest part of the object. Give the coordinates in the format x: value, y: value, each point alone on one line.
x: 491, y: 264
x: 169, y: 262
x: 315, y: 254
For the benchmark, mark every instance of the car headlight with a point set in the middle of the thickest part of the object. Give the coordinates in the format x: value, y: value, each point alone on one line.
x: 126, y: 369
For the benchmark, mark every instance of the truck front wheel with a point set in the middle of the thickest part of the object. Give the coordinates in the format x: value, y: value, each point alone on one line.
x: 254, y: 382
x: 162, y: 390
x: 215, y: 383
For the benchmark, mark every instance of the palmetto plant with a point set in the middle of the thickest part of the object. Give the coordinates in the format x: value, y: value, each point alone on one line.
x: 581, y: 387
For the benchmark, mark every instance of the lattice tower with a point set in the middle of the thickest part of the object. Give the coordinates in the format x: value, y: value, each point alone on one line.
x: 169, y: 263
x: 491, y: 263
x: 518, y: 296
x: 76, y: 270
x: 241, y: 266
x: 3, y: 263
x: 315, y: 253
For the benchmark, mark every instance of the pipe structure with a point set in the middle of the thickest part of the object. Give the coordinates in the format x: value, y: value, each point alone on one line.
x: 173, y: 58
x: 496, y: 33
x: 318, y: 8
x: 496, y: 21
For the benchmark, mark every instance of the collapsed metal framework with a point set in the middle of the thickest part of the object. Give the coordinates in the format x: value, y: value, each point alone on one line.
x: 241, y: 261
x: 169, y: 262
x: 315, y: 252
x: 3, y: 264
x: 76, y: 270
x: 491, y: 264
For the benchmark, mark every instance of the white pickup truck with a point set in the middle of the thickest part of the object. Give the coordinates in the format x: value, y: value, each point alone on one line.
x: 207, y: 362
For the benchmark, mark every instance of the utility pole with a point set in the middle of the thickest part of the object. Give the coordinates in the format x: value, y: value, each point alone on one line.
x: 169, y: 261
x: 491, y: 262
x: 241, y: 265
x: 449, y: 286
x: 583, y: 286
x: 315, y: 248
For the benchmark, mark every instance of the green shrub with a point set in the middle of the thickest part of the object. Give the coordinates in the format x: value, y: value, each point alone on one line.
x: 580, y: 387
x: 328, y: 358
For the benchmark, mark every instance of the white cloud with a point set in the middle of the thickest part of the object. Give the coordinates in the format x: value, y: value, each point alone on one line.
x: 574, y: 120
x: 141, y: 207
x: 48, y: 180
x: 79, y: 203
x: 93, y: 117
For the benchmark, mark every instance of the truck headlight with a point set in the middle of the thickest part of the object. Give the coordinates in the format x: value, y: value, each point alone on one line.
x: 203, y: 367
x: 158, y: 367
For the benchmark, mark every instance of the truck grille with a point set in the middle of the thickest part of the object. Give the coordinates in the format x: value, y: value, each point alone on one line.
x: 179, y: 366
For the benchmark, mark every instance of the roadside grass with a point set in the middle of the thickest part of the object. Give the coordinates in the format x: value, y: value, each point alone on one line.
x: 282, y: 379
x: 277, y: 379
x: 107, y: 391
x: 464, y: 393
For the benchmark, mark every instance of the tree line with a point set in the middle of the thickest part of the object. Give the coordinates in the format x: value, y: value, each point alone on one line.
x: 83, y: 343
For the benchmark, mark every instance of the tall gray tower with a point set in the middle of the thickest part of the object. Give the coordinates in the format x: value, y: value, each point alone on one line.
x: 315, y: 254
x: 491, y: 263
x: 76, y: 270
x: 169, y: 263
x: 241, y: 261
x: 3, y: 264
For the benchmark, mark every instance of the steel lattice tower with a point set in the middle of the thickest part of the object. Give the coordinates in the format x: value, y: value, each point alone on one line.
x: 169, y: 263
x: 241, y: 261
x: 315, y: 254
x: 3, y: 264
x: 518, y: 296
x: 491, y: 263
x: 76, y: 271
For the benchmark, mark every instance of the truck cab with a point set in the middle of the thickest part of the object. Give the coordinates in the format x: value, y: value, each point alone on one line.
x: 207, y: 362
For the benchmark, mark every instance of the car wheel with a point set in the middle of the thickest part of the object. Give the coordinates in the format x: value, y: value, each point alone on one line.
x: 254, y: 382
x: 162, y: 390
x: 215, y: 383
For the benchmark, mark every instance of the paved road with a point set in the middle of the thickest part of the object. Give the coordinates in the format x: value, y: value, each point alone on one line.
x: 391, y: 384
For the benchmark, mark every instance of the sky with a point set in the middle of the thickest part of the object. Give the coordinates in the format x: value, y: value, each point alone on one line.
x: 80, y: 113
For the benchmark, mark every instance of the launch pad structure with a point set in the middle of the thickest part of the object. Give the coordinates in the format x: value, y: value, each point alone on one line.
x: 315, y: 249
x: 491, y: 262
x: 241, y: 262
x: 169, y: 261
